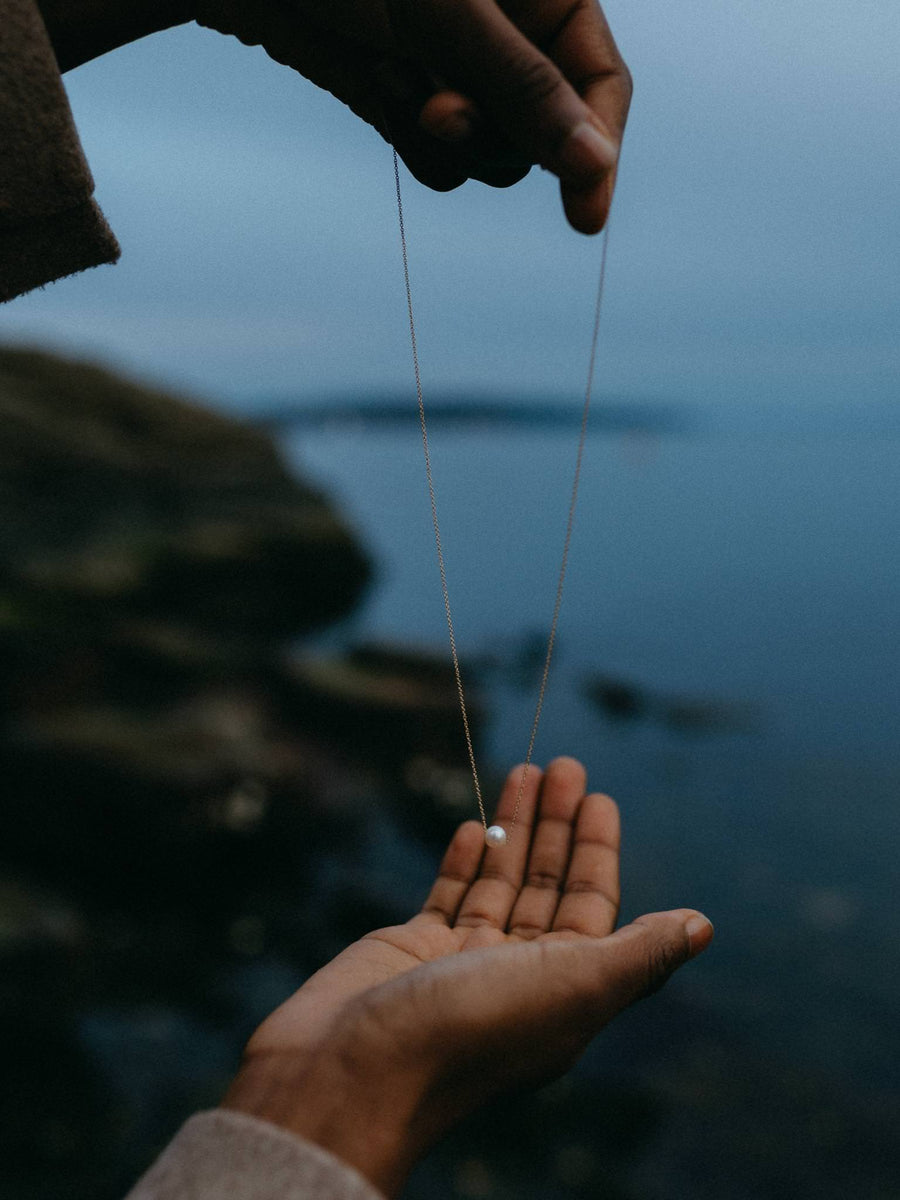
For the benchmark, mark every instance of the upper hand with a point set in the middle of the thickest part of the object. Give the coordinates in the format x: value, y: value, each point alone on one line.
x: 463, y: 88
x: 503, y: 978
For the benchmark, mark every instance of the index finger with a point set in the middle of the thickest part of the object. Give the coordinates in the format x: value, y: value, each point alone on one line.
x: 480, y: 51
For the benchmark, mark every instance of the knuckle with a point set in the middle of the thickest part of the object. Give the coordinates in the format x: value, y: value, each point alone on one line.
x: 535, y: 79
x: 527, y: 930
x: 583, y: 887
x: 497, y: 875
x: 543, y: 880
x: 476, y: 920
x: 565, y: 762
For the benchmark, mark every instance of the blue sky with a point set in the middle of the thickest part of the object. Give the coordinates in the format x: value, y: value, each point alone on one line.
x: 754, y: 245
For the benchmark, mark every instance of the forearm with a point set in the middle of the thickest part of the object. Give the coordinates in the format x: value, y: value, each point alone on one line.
x: 84, y: 29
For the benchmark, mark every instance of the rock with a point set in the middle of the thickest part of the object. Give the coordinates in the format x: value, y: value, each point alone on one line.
x: 396, y: 710
x: 616, y: 699
x: 156, y: 561
x: 620, y: 700
x: 401, y: 702
x: 116, y: 494
x: 182, y: 789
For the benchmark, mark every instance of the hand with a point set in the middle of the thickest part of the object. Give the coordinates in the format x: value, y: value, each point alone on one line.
x: 480, y: 89
x: 463, y: 88
x: 502, y: 979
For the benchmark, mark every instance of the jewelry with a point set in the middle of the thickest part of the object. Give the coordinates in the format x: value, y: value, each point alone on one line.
x: 497, y: 835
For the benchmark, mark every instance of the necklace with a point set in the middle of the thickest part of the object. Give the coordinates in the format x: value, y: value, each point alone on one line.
x: 497, y: 835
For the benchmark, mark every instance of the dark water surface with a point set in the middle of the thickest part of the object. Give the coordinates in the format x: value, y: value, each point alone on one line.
x: 752, y: 579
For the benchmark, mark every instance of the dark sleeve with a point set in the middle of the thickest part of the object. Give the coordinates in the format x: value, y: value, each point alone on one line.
x: 50, y: 225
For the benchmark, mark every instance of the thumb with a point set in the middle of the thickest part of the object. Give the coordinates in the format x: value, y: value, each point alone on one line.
x: 637, y: 959
x: 560, y: 987
x: 525, y: 1013
x: 555, y: 995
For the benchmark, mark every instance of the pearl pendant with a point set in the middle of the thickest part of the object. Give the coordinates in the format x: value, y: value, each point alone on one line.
x: 495, y: 836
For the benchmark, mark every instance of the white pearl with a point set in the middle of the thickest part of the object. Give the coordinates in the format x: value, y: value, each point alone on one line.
x: 495, y: 836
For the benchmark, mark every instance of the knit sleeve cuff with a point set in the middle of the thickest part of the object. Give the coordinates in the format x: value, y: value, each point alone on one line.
x: 49, y: 223
x: 225, y: 1153
x: 48, y: 247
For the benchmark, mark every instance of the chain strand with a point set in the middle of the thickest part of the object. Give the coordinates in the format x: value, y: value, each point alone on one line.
x: 434, y: 515
x: 570, y: 521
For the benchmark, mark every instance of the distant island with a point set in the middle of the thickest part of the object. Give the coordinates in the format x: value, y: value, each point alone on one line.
x: 696, y: 416
x: 468, y: 411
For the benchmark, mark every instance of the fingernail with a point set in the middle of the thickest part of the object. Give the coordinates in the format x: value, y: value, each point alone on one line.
x: 700, y: 933
x: 586, y: 151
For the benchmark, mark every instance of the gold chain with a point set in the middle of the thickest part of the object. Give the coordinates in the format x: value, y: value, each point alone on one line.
x: 437, y: 531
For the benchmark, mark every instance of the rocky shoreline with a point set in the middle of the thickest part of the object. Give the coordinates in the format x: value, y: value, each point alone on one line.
x: 176, y: 767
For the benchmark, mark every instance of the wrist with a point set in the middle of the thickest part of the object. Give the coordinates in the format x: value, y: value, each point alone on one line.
x: 80, y: 30
x: 363, y: 1114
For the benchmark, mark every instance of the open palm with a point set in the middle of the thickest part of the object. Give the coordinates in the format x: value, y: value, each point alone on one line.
x: 503, y: 978
x: 557, y: 878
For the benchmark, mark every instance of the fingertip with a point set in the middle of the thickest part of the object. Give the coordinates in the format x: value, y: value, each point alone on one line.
x: 439, y: 181
x: 502, y: 175
x: 695, y: 928
x: 700, y: 932
x: 433, y: 164
x: 533, y: 776
x: 602, y: 798
x: 462, y: 857
x: 587, y: 210
x: 569, y: 772
x: 466, y: 829
x: 600, y: 818
x: 565, y: 762
x: 469, y: 837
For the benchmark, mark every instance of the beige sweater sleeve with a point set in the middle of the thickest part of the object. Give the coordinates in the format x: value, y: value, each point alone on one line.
x: 50, y: 225
x: 224, y: 1154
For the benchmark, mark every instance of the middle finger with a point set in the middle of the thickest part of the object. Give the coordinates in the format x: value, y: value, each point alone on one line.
x: 491, y: 897
x: 551, y: 849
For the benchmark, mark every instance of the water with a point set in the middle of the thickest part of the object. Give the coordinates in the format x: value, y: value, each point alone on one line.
x: 759, y: 570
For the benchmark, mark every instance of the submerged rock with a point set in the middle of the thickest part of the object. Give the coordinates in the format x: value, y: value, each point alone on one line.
x: 621, y: 700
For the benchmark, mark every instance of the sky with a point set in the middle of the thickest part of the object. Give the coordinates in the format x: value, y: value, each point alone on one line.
x: 753, y: 247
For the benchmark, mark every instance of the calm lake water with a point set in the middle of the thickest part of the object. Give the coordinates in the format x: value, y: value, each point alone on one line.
x: 759, y: 571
